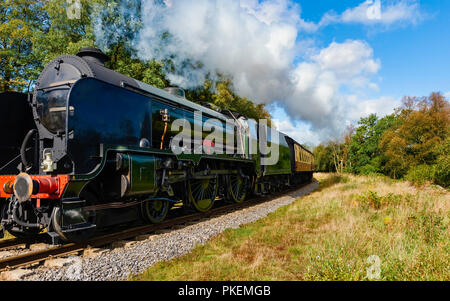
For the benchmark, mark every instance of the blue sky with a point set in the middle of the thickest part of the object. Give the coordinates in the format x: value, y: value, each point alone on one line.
x: 415, y: 59
x: 413, y: 56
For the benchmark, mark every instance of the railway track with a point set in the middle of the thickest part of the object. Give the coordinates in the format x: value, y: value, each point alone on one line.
x: 37, y: 257
x: 11, y: 243
x: 17, y: 242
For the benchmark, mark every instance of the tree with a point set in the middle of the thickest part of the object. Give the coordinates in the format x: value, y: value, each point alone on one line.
x: 423, y: 126
x: 19, y: 19
x: 124, y: 61
x: 323, y: 157
x: 65, y: 35
x: 442, y: 176
x: 364, y: 153
x: 337, y: 152
x: 221, y: 95
x: 348, y: 135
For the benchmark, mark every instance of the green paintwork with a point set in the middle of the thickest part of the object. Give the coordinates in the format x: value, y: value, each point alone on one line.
x: 143, y: 174
x: 284, y: 163
x: 74, y: 188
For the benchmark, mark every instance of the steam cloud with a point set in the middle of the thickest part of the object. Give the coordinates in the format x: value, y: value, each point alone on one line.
x: 261, y: 46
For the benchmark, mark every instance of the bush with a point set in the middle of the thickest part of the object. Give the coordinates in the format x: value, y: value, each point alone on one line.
x: 443, y: 164
x: 333, y: 180
x: 370, y: 169
x: 443, y: 172
x: 373, y: 200
x: 419, y: 175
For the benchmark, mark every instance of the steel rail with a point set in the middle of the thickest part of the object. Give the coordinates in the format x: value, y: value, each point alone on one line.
x: 15, y: 242
x: 71, y: 248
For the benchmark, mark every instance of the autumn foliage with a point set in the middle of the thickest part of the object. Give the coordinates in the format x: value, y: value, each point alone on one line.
x: 412, y: 143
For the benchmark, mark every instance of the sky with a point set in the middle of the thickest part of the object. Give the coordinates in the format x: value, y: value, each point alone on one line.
x: 413, y: 55
x: 318, y: 66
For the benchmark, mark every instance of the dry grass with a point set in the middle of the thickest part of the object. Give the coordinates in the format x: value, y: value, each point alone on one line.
x: 329, y: 235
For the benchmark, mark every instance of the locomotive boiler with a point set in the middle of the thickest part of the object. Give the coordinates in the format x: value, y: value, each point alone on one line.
x: 91, y: 150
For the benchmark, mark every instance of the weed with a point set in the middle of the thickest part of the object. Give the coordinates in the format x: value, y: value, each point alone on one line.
x: 373, y: 200
x: 333, y: 180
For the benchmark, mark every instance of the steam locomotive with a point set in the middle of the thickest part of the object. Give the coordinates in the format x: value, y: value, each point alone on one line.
x: 91, y: 149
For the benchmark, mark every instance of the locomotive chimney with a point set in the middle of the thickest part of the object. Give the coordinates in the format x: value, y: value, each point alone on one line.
x: 93, y: 55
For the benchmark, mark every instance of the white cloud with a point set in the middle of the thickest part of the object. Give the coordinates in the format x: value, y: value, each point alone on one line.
x: 375, y: 12
x: 358, y: 108
x: 348, y: 60
x: 317, y: 83
x: 447, y: 95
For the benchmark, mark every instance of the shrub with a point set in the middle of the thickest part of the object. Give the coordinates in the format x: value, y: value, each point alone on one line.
x: 333, y: 180
x: 373, y: 200
x: 443, y: 164
x: 370, y: 199
x: 369, y: 169
x: 419, y: 175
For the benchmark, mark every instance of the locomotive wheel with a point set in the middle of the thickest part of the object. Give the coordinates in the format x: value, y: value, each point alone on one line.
x: 280, y: 187
x: 237, y: 187
x: 155, y: 212
x: 82, y: 235
x: 203, y: 193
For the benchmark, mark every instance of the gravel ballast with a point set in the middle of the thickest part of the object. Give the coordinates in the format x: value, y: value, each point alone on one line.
x: 135, y: 257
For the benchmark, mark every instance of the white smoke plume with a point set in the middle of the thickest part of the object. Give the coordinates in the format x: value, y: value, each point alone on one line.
x: 251, y: 42
x: 265, y: 47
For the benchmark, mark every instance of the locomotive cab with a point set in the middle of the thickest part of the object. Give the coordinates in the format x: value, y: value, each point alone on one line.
x: 51, y: 106
x: 54, y: 84
x: 51, y: 97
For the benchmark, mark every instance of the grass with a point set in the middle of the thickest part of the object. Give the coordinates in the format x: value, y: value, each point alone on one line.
x: 330, y: 235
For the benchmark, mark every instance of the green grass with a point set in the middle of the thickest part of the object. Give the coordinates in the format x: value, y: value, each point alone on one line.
x: 330, y: 235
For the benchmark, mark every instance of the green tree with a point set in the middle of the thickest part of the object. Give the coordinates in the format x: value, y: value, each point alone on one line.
x: 19, y: 19
x: 124, y: 61
x: 364, y: 153
x: 64, y: 34
x: 442, y: 168
x: 221, y: 94
x: 333, y: 156
x: 323, y: 156
x: 101, y: 24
